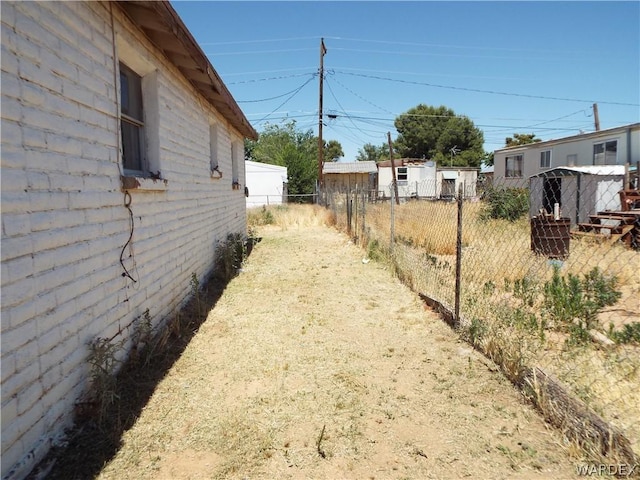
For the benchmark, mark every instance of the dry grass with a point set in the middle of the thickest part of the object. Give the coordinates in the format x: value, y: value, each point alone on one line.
x: 290, y: 216
x: 314, y: 364
x: 496, y: 255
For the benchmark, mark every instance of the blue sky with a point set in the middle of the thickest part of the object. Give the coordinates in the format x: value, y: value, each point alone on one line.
x: 511, y: 67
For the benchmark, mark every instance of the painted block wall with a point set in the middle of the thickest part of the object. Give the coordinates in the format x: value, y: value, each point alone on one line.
x: 64, y: 220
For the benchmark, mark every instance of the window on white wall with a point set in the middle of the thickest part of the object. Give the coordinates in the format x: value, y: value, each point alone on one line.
x: 236, y: 151
x: 139, y: 111
x: 402, y: 174
x: 605, y: 153
x: 132, y: 120
x: 513, y: 166
x: 545, y: 159
x: 213, y: 145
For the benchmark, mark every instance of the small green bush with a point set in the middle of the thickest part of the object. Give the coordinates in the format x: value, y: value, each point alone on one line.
x: 505, y: 203
x: 572, y: 303
x: 630, y: 333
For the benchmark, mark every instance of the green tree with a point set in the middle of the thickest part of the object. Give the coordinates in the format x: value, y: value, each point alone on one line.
x: 284, y: 144
x: 371, y: 153
x: 434, y: 132
x: 521, y: 139
x: 332, y: 151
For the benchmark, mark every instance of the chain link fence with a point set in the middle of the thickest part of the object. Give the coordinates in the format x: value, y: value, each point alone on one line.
x: 542, y: 276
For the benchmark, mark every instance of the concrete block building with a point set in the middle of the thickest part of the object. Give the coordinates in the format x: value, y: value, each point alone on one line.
x: 122, y: 171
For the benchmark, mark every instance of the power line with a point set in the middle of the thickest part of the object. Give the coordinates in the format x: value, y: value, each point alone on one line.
x: 282, y: 77
x: 226, y: 75
x: 360, y: 97
x: 435, y: 54
x: 492, y: 92
x: 295, y: 90
x: 239, y: 42
x: 254, y: 52
x: 441, y: 45
x: 334, y: 97
x: 287, y: 100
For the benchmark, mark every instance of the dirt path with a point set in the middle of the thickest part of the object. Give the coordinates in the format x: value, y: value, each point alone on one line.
x: 314, y: 364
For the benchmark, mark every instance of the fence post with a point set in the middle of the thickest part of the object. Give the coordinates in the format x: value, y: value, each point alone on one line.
x: 456, y: 318
x: 349, y: 211
x: 356, y: 213
x: 364, y: 215
x: 393, y: 202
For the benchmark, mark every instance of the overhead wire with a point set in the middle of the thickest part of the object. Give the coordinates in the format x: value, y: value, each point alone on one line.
x: 493, y: 92
x: 295, y: 92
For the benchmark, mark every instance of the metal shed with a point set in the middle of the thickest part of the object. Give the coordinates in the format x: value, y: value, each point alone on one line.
x: 580, y: 191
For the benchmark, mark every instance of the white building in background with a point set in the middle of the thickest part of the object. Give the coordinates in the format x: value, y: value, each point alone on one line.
x: 266, y: 184
x: 424, y: 179
x: 415, y: 177
x: 513, y: 166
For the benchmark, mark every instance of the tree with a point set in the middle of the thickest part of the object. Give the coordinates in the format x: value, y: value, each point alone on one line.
x: 521, y: 139
x: 371, y: 153
x: 285, y: 145
x: 332, y: 151
x: 434, y: 132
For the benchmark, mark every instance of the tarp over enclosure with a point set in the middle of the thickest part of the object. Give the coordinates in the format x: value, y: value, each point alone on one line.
x: 580, y: 191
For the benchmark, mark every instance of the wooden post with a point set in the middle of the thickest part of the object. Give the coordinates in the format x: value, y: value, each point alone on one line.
x: 596, y: 117
x: 392, y: 239
x: 393, y: 169
x: 458, y: 259
x: 323, y: 50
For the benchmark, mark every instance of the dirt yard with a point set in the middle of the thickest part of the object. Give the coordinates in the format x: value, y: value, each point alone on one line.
x: 316, y: 365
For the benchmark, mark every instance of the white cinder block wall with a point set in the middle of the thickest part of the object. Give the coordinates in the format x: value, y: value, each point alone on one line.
x: 64, y: 220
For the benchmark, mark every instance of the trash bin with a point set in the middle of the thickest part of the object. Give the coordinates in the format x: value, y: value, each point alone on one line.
x: 550, y: 237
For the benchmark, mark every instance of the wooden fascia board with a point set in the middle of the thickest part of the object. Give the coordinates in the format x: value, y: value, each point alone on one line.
x: 164, y: 28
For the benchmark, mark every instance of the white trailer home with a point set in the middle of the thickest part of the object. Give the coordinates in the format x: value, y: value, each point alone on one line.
x: 266, y: 184
x: 415, y: 177
x: 122, y: 170
x: 513, y: 166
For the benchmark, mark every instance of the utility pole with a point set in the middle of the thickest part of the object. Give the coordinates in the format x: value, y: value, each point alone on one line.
x: 323, y: 51
x: 393, y: 169
x: 596, y: 117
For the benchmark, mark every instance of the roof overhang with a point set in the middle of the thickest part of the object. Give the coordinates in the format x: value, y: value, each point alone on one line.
x: 600, y: 170
x: 161, y: 24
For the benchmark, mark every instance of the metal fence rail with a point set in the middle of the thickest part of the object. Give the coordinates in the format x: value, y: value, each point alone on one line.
x: 541, y: 276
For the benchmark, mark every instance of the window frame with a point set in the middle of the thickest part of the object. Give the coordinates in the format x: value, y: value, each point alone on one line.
x: 236, y: 149
x: 603, y: 154
x: 132, y: 116
x: 514, y: 172
x: 400, y: 174
x: 545, y: 159
x: 214, y: 150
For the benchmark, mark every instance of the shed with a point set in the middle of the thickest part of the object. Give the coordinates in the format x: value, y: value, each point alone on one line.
x: 580, y: 191
x: 450, y: 179
x: 346, y: 176
x: 266, y: 184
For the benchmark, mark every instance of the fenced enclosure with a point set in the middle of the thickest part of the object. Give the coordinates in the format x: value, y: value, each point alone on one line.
x: 542, y: 276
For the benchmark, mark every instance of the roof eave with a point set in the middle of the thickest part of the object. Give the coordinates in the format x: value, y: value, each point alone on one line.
x: 162, y: 25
